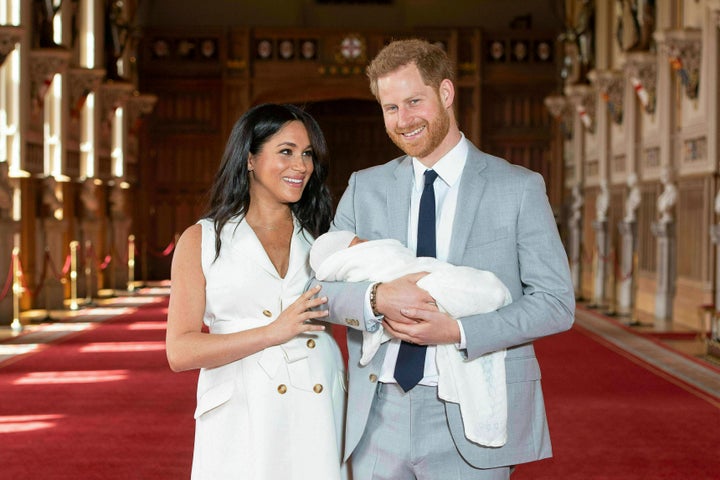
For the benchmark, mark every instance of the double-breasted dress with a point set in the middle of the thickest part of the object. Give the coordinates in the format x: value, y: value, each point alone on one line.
x: 278, y: 413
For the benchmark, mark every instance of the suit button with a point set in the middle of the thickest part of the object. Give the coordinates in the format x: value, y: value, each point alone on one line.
x: 267, y: 313
x: 318, y: 388
x: 373, y: 378
x: 282, y: 389
x: 311, y: 343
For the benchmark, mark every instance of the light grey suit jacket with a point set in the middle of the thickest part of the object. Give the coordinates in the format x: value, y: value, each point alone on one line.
x: 504, y: 224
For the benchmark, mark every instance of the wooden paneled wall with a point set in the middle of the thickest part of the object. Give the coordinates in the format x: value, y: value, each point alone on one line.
x: 205, y: 78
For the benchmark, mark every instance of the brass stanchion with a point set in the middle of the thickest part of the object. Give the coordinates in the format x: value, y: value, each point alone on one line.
x: 144, y: 261
x: 131, y: 264
x: 73, y: 275
x: 88, y: 272
x: 17, y: 290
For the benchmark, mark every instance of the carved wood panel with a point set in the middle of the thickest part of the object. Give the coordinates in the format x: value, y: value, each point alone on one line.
x: 516, y: 127
x: 693, y: 223
x: 646, y: 215
x: 356, y: 138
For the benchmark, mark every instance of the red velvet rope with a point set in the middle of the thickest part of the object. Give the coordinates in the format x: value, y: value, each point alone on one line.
x: 9, y: 279
x: 157, y: 252
x: 65, y: 268
x: 90, y: 253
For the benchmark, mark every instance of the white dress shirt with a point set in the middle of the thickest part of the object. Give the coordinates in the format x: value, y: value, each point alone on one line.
x: 446, y: 186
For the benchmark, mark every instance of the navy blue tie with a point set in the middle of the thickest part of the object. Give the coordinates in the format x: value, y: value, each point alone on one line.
x: 410, y: 364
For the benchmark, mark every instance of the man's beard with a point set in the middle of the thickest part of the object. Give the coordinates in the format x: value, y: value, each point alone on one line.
x: 436, y: 131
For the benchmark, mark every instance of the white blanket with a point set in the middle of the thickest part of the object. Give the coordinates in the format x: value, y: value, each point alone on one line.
x: 479, y: 385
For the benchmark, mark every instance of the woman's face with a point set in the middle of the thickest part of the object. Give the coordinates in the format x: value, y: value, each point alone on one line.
x: 282, y: 167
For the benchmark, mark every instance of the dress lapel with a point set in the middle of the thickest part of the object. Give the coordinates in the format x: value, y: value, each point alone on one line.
x: 299, y: 251
x: 249, y: 247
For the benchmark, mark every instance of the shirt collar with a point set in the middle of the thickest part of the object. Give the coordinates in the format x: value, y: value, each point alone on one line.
x: 449, y: 167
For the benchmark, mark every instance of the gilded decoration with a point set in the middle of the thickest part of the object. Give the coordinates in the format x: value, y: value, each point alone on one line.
x: 9, y: 37
x: 82, y: 82
x: 683, y: 48
x: 561, y: 110
x: 610, y: 85
x: 44, y: 65
x: 641, y: 69
x: 582, y: 97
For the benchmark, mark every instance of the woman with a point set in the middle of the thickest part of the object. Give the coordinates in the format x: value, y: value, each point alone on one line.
x: 271, y: 391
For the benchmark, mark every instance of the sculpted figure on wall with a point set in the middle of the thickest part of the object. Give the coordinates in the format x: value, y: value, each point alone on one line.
x: 576, y: 206
x: 44, y: 13
x: 633, y: 199
x: 578, y: 41
x: 89, y: 200
x: 635, y: 24
x: 667, y: 199
x: 50, y: 198
x: 602, y: 202
x: 117, y: 201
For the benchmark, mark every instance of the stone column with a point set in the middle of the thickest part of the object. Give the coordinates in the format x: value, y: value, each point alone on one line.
x: 575, y: 250
x: 120, y: 230
x: 715, y: 235
x: 8, y: 229
x: 52, y: 296
x: 628, y: 269
x: 601, y: 244
x: 89, y: 246
x: 575, y: 239
x: 666, y: 260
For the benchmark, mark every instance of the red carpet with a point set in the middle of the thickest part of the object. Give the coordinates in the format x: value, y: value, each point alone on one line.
x: 612, y: 417
x: 102, y: 404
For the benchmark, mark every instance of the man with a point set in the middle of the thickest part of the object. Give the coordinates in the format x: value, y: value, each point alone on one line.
x: 486, y: 214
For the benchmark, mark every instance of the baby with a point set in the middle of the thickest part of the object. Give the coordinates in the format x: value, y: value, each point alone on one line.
x: 478, y: 386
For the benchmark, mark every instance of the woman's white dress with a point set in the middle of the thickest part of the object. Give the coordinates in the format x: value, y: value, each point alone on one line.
x: 279, y: 413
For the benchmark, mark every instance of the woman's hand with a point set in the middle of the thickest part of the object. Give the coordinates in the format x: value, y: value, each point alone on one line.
x: 294, y: 320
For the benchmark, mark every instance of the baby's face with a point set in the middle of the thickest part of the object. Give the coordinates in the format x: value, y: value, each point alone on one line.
x: 355, y: 241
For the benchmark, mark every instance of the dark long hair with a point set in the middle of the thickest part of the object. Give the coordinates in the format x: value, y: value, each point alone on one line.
x: 230, y: 192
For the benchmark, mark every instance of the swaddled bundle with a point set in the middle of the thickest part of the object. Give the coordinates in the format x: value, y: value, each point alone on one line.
x: 478, y: 385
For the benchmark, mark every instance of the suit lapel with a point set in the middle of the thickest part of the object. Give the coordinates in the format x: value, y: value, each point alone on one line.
x: 398, y: 200
x: 472, y: 186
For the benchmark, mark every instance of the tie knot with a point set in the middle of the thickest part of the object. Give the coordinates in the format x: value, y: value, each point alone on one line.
x: 430, y: 176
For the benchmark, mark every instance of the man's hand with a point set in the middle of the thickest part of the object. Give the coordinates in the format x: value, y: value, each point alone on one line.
x: 392, y: 297
x: 428, y: 327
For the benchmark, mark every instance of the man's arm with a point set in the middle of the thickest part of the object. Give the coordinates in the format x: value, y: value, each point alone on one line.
x: 547, y: 303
